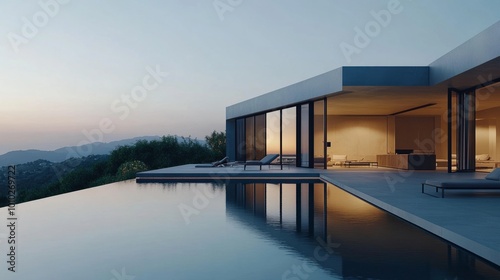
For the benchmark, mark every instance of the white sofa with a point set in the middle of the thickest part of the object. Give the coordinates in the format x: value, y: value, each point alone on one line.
x: 338, y: 159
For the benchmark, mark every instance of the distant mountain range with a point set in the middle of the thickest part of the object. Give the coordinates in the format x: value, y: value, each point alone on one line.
x: 62, y: 154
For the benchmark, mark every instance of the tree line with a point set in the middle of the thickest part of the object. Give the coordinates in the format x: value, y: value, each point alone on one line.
x: 125, y: 161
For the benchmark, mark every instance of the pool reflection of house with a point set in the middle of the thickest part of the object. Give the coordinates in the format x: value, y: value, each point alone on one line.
x: 343, y: 234
x: 444, y: 114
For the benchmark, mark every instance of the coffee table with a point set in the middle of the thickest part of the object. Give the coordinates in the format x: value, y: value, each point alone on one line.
x: 350, y: 163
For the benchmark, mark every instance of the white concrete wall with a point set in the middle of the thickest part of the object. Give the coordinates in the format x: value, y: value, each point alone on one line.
x: 488, y: 133
x: 367, y: 136
x: 358, y: 137
x: 482, y: 136
x: 416, y: 133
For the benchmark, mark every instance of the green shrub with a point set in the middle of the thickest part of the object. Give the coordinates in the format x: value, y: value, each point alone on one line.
x: 128, y: 169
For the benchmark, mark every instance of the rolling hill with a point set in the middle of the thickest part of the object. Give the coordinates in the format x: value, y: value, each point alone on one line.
x: 62, y: 154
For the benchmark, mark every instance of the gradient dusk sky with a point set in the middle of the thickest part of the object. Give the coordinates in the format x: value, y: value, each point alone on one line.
x: 73, y: 70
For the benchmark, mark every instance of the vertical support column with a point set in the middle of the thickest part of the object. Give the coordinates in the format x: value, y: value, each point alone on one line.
x: 466, y: 131
x: 298, y: 140
x: 231, y: 139
x: 310, y: 133
x: 281, y: 139
x: 450, y: 125
x: 325, y: 155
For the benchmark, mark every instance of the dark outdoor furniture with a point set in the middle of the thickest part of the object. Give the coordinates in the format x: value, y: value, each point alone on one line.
x: 264, y: 161
x: 219, y: 163
x: 350, y: 163
x: 490, y: 182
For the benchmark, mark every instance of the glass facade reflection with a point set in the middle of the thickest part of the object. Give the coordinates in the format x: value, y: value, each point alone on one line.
x: 349, y: 237
x: 271, y: 133
x: 289, y: 135
x: 321, y: 134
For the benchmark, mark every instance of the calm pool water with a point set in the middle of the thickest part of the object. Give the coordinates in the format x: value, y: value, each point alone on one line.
x: 136, y: 231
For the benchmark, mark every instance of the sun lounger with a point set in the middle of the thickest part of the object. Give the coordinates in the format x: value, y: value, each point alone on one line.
x: 490, y: 182
x: 264, y: 161
x: 219, y: 163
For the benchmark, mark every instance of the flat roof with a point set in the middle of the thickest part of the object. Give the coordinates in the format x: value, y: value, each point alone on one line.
x: 475, y: 62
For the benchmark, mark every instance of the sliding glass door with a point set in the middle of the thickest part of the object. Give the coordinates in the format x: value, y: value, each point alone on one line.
x: 305, y: 143
x: 319, y: 133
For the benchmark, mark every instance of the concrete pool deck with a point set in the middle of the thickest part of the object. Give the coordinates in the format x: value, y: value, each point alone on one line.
x: 467, y: 218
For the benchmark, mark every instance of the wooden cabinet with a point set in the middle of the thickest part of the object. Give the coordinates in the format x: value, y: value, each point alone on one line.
x: 408, y: 161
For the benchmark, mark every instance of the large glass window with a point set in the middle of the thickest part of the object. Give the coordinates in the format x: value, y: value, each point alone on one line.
x: 281, y: 134
x: 289, y: 133
x: 250, y: 138
x: 319, y: 134
x: 273, y: 132
x: 240, y: 140
x: 260, y: 136
x: 304, y: 135
x: 487, y: 127
x: 255, y: 135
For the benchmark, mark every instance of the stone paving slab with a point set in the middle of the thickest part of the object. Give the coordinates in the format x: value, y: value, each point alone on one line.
x: 468, y: 218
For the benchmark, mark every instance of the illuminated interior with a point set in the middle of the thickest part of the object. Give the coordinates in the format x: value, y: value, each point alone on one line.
x: 359, y: 128
x: 440, y: 116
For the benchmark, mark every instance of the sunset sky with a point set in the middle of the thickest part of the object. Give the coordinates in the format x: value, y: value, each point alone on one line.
x: 73, y: 71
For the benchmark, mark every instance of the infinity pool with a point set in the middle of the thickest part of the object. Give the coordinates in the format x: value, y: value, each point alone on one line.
x: 294, y: 231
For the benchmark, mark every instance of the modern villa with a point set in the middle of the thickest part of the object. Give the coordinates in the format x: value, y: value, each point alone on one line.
x: 444, y: 115
x: 443, y: 119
